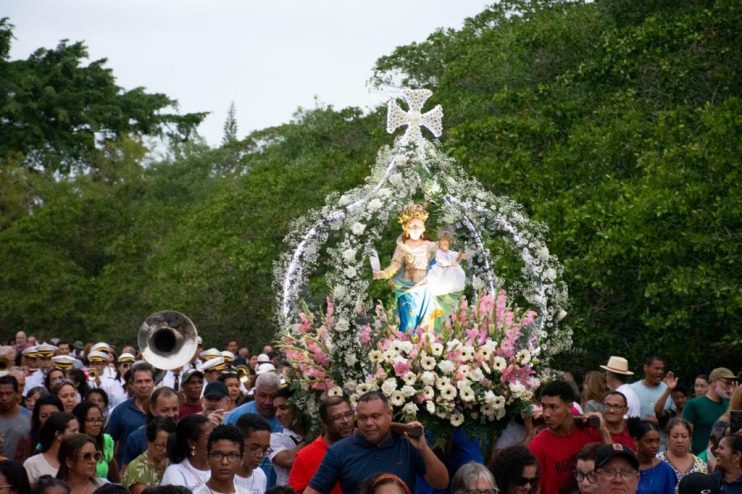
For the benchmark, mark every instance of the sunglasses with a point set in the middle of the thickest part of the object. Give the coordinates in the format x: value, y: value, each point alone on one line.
x: 525, y: 480
x: 97, y: 456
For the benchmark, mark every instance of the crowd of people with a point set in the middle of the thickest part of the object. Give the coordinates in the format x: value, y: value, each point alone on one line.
x: 90, y: 418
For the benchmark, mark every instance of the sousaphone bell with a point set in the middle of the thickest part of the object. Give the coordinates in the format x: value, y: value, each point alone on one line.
x: 167, y: 339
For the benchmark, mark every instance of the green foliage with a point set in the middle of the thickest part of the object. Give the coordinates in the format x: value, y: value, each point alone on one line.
x: 615, y: 123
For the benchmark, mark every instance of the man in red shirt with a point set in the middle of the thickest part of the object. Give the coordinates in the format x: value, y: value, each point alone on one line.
x: 556, y: 447
x: 615, y: 407
x: 338, y: 421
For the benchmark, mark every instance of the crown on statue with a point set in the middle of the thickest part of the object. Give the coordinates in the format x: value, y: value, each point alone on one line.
x: 445, y: 233
x: 411, y: 212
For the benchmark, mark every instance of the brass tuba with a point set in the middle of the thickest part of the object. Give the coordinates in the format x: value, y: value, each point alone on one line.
x: 167, y: 339
x: 4, y: 364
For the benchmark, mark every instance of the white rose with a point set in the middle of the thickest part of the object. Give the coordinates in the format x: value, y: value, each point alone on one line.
x: 477, y: 375
x: 339, y: 292
x: 517, y: 389
x: 408, y: 391
x: 410, y: 410
x: 428, y: 378
x: 342, y: 325
x: 374, y: 205
x: 389, y: 386
x: 358, y: 228
x: 430, y: 407
x: 446, y: 366
x: 406, y: 346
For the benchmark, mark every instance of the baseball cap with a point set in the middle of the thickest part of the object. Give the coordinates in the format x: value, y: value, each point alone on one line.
x: 698, y: 483
x: 610, y: 451
x: 216, y: 389
x: 721, y: 373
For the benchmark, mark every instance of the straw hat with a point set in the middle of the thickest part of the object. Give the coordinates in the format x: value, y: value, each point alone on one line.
x: 617, y: 365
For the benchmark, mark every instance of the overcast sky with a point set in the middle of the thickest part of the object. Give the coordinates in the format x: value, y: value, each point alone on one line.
x: 268, y: 56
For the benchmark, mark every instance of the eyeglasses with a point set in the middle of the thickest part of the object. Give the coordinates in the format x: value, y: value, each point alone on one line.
x: 590, y: 476
x: 613, y: 406
x: 97, y: 456
x: 339, y: 417
x: 232, y: 457
x: 256, y: 450
x: 625, y: 474
x: 525, y: 480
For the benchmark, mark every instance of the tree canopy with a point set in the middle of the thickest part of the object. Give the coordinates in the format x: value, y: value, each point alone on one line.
x: 615, y: 123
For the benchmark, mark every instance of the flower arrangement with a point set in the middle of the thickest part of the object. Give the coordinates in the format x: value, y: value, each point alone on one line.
x: 477, y: 371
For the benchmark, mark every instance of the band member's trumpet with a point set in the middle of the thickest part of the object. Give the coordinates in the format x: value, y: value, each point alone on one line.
x: 167, y: 339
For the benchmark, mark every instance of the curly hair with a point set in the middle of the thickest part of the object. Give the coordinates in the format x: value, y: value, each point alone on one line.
x: 508, y: 466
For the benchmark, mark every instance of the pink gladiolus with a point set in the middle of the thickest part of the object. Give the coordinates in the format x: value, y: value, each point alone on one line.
x: 472, y: 335
x: 500, y: 305
x: 529, y: 318
x: 486, y: 304
x: 365, y: 336
x: 401, y: 367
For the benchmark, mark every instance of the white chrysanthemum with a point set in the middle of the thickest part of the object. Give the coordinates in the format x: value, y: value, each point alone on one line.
x: 499, y: 363
x: 396, y: 345
x: 358, y: 228
x: 467, y: 353
x: 409, y: 378
x: 350, y: 272
x: 448, y: 392
x: 463, y: 383
x: 523, y: 357
x: 428, y: 378
x: 446, y: 366
x: 349, y: 255
x: 374, y: 356
x: 406, y: 347
x: 457, y: 418
x: 467, y: 394
x: 437, y: 349
x: 397, y: 399
x: 430, y: 407
x: 363, y: 388
x: 335, y: 391
x: 389, y: 356
x: 499, y: 402
x: 374, y: 204
x: 389, y: 386
x: 427, y: 363
x: 410, y: 410
x: 517, y: 389
x: 342, y: 325
x: 408, y: 391
x: 429, y: 392
x: 465, y: 370
x: 441, y: 381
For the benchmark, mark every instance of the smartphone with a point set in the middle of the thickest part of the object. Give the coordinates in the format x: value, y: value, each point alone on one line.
x: 735, y: 421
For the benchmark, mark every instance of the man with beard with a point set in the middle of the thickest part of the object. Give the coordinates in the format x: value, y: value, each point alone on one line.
x: 376, y: 448
x: 338, y: 421
x: 703, y: 411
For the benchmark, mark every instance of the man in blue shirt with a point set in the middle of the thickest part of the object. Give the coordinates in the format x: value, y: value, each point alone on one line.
x: 374, y: 448
x: 132, y: 414
x: 162, y: 403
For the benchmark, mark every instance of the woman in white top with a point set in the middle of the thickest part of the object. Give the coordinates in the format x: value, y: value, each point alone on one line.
x: 189, y: 461
x: 56, y: 427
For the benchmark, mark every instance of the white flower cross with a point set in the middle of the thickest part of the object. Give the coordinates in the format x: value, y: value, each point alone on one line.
x: 414, y: 118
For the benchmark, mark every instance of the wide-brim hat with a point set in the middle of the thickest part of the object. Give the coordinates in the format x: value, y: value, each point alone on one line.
x: 228, y: 356
x: 617, y: 365
x: 64, y: 362
x: 97, y: 356
x: 127, y: 357
x: 46, y: 350
x: 210, y: 354
x: 101, y: 347
x: 30, y: 352
x: 215, y: 364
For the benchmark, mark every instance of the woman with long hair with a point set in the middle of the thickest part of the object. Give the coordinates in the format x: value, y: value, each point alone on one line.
x: 99, y: 397
x: 188, y: 453
x: 516, y: 470
x: 78, y: 457
x: 13, y: 478
x: 58, y: 426
x: 90, y: 418
x: 655, y: 476
x: 79, y: 381
x: 678, y: 454
x: 34, y: 394
x: 729, y: 463
x: 594, y: 390
x: 67, y: 394
x: 287, y: 443
x: 45, y: 406
x: 474, y: 477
